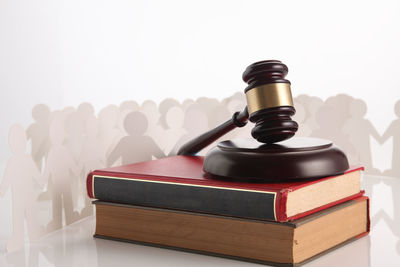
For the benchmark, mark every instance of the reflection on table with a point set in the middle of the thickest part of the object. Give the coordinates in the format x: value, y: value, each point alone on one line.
x: 75, y: 246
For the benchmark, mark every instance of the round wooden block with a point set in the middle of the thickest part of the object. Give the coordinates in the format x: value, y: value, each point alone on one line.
x: 296, y: 158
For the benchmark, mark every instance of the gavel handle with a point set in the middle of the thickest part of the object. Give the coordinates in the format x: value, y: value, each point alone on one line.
x: 239, y: 119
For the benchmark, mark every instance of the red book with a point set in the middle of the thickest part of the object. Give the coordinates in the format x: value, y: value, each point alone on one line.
x: 179, y: 183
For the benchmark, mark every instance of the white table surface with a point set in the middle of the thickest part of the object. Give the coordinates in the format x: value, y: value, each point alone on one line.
x: 75, y: 246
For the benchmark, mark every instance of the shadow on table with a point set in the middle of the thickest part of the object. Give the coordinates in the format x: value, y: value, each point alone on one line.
x: 72, y: 246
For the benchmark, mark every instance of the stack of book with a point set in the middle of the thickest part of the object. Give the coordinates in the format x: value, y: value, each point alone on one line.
x: 172, y: 203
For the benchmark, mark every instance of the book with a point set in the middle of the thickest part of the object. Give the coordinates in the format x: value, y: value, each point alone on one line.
x: 179, y: 183
x: 267, y: 242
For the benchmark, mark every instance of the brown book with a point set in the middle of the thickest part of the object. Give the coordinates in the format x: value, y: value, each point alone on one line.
x: 282, y: 244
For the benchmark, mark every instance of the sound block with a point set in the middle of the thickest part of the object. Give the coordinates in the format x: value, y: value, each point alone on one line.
x: 296, y: 158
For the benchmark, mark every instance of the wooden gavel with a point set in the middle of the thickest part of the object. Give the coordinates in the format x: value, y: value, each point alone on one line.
x: 269, y: 106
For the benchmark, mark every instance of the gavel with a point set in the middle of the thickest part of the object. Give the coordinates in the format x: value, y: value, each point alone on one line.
x: 269, y: 106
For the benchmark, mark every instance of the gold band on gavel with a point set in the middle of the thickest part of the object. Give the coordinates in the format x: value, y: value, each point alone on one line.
x: 269, y: 96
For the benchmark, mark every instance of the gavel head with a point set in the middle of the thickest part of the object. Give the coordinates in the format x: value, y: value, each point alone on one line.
x: 269, y: 101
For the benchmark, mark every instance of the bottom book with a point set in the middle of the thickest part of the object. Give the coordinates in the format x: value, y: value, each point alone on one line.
x: 281, y: 244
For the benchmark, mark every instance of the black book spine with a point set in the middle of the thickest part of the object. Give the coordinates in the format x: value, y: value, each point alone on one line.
x: 195, y: 198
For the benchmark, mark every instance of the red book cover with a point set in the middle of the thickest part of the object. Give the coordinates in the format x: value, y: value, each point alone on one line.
x: 179, y: 183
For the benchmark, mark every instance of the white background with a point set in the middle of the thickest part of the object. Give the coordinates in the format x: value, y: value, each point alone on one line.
x: 65, y: 52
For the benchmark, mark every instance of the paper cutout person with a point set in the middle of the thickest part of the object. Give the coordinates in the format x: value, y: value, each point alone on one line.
x: 304, y: 130
x: 187, y: 103
x: 74, y: 140
x: 109, y: 133
x: 311, y: 104
x: 330, y: 119
x: 232, y: 101
x: 75, y: 133
x: 208, y: 105
x: 85, y: 110
x: 220, y: 115
x: 67, y: 111
x: 174, y: 121
x: 195, y: 123
x: 125, y: 108
x: 359, y: 131
x: 163, y: 108
x: 239, y: 96
x: 129, y: 105
x: 38, y: 133
x: 21, y: 173
x: 154, y: 129
x: 315, y: 103
x: 212, y: 107
x: 235, y: 105
x: 59, y: 164
x: 47, y: 195
x: 394, y: 131
x: 91, y: 158
x: 135, y: 147
x: 341, y: 103
x: 392, y: 222
x: 120, y: 123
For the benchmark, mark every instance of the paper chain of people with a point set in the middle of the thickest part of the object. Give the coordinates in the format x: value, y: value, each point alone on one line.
x: 66, y: 145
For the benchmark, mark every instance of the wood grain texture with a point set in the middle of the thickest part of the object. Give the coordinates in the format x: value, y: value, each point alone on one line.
x: 298, y: 158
